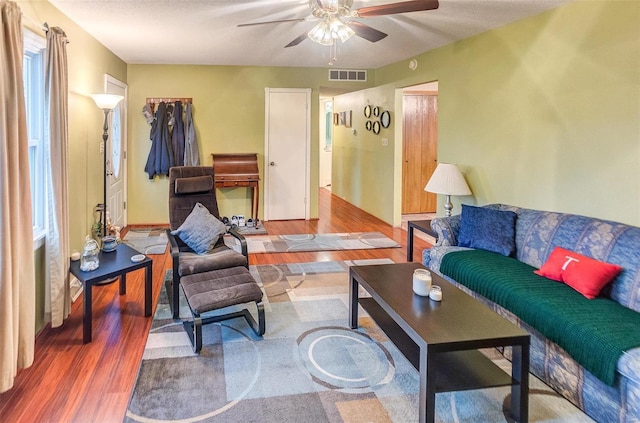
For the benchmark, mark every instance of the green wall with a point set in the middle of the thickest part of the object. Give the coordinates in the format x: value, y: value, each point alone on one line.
x: 543, y: 113
x: 88, y: 62
x: 228, y: 110
x: 362, y: 169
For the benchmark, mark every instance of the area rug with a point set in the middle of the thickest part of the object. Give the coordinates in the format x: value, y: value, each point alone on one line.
x: 319, y: 242
x: 147, y: 240
x: 308, y: 367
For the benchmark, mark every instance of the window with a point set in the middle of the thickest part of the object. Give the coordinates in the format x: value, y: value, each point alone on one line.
x: 33, y: 74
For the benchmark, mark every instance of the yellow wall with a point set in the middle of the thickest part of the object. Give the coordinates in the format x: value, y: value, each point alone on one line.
x: 362, y: 167
x: 88, y: 61
x: 228, y: 105
x: 543, y: 113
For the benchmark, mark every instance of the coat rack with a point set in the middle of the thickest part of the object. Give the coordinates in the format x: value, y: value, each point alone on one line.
x: 152, y: 101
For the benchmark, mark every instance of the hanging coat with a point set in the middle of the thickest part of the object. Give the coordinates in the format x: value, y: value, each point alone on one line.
x: 177, y: 135
x: 160, y: 156
x: 191, y: 152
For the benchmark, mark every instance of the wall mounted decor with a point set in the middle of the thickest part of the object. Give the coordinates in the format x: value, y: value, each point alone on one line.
x: 336, y: 119
x: 376, y: 111
x: 367, y: 111
x: 347, y: 119
x: 368, y: 125
x: 376, y: 127
x: 385, y: 119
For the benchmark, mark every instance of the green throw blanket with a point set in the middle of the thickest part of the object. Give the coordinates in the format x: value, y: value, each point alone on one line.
x: 594, y: 332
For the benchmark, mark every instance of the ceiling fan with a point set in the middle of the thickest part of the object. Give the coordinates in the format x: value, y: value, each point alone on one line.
x: 336, y: 24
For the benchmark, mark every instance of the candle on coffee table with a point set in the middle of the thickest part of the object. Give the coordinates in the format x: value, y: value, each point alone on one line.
x: 421, y: 282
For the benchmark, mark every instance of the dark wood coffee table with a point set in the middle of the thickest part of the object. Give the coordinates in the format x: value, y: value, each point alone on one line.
x: 441, y: 339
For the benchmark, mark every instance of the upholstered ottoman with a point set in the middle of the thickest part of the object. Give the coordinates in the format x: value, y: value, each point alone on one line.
x: 218, y: 289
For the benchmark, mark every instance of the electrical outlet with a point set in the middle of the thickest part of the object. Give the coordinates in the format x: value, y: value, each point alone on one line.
x: 385, y: 142
x: 101, y: 147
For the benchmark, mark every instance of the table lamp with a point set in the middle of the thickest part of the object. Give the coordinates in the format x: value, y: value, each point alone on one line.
x: 447, y: 180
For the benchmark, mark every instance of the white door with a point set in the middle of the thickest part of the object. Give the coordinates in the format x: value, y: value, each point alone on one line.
x: 116, y: 150
x: 287, y: 143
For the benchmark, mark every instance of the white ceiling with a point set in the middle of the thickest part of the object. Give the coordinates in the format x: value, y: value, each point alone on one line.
x: 205, y: 32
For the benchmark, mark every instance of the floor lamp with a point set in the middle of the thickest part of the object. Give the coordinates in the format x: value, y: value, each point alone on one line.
x: 106, y: 102
x: 447, y: 180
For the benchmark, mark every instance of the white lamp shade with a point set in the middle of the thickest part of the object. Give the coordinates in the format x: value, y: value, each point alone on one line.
x: 447, y: 179
x: 107, y: 101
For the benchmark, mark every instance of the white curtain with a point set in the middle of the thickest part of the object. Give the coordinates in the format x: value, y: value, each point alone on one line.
x: 17, y: 273
x: 56, y: 98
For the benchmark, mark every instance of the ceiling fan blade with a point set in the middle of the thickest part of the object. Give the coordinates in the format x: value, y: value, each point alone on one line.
x: 366, y: 32
x: 298, y: 40
x: 273, y: 22
x: 393, y: 8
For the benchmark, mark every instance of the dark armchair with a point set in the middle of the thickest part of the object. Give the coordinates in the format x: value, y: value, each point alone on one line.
x: 189, y: 185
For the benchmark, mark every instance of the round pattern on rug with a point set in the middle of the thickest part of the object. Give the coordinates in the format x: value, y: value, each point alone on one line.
x: 375, y: 240
x: 344, y: 359
x: 298, y: 237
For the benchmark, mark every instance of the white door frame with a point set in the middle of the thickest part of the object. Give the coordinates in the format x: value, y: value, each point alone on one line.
x: 268, y: 91
x: 110, y: 80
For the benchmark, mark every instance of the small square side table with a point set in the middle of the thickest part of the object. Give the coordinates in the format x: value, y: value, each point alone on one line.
x: 422, y: 226
x: 113, y: 264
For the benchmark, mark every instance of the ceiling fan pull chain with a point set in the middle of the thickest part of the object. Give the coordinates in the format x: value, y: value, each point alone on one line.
x: 333, y: 53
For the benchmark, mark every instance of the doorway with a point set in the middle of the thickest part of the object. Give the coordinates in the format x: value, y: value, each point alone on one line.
x: 325, y: 143
x: 116, y: 151
x: 419, y: 147
x: 287, y: 155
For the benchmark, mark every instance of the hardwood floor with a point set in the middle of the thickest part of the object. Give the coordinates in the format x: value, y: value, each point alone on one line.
x: 73, y: 382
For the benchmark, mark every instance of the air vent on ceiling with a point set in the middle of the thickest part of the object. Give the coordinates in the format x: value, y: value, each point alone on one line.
x: 347, y: 75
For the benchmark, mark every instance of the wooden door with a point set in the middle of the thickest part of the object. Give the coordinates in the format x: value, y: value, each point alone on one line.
x: 420, y: 149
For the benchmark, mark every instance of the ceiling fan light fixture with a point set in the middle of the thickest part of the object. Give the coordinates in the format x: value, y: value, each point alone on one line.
x: 340, y: 30
x: 321, y: 34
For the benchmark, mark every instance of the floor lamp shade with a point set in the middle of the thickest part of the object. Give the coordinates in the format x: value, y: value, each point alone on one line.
x: 106, y: 101
x: 447, y: 180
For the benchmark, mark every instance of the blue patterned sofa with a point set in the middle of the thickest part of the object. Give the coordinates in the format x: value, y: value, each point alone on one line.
x: 537, y: 233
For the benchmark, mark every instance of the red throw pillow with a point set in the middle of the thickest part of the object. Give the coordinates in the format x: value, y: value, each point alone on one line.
x: 552, y: 269
x: 584, y: 274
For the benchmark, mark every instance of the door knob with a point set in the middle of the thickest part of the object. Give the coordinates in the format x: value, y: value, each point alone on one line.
x: 272, y: 163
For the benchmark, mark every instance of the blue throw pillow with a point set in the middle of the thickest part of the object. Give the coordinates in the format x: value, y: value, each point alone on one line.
x: 488, y: 229
x: 200, y: 230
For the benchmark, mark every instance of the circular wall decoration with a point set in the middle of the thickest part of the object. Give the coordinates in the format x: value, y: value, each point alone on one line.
x: 376, y: 111
x: 385, y: 119
x: 367, y: 111
x: 376, y: 127
x: 368, y: 125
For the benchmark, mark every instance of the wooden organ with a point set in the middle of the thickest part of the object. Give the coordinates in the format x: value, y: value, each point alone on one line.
x: 236, y: 171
